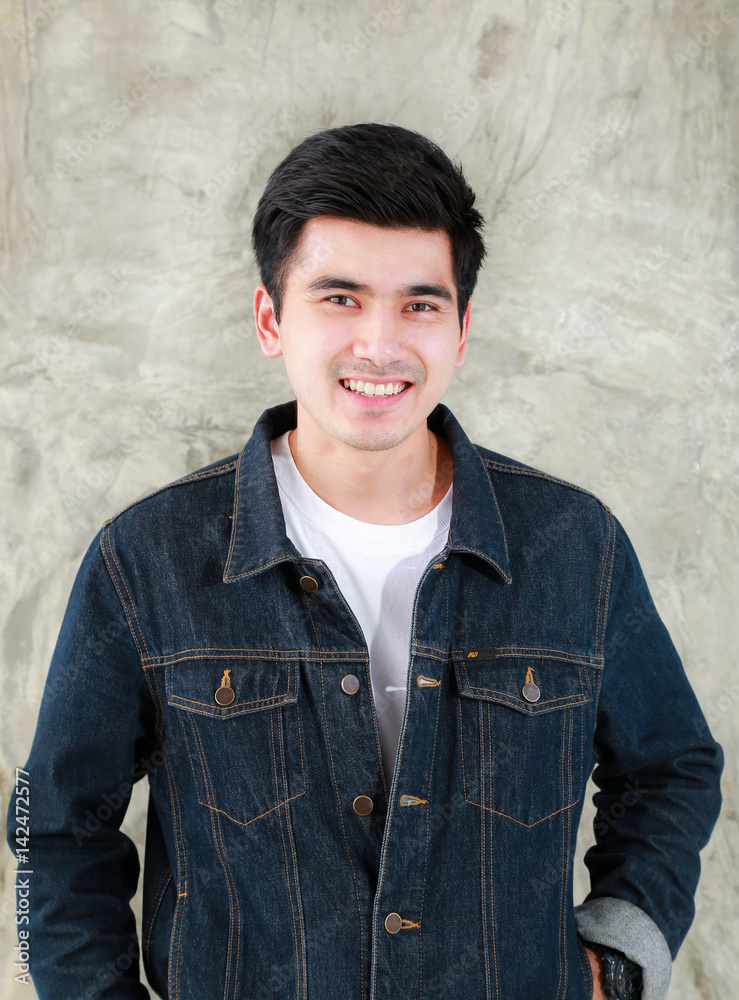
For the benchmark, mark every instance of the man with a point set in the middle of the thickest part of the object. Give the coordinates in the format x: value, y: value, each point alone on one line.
x: 367, y: 667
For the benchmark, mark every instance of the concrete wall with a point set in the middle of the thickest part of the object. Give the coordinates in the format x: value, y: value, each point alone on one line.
x: 601, y: 137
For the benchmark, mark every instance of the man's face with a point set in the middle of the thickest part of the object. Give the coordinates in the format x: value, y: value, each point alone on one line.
x: 371, y: 305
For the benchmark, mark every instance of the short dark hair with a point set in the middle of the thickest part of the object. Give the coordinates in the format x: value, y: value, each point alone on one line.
x: 383, y: 175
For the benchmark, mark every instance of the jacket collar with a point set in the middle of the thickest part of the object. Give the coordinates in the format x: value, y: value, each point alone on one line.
x: 258, y: 537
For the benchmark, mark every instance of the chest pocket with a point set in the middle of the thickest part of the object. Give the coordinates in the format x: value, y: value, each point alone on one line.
x: 240, y: 721
x: 521, y: 731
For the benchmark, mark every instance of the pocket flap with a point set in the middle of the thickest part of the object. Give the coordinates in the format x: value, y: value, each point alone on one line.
x: 256, y: 684
x: 496, y: 675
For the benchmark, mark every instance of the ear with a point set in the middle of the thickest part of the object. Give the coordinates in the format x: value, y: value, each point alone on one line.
x: 463, y: 337
x: 268, y: 330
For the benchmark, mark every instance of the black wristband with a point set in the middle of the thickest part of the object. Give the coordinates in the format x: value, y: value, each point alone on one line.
x: 622, y: 978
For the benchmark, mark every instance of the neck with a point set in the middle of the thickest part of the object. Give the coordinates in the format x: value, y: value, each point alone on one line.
x: 394, y: 486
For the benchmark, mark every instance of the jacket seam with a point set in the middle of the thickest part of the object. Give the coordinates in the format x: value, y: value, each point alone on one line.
x: 179, y: 840
x: 230, y: 882
x: 603, y: 597
x: 341, y: 814
x: 495, y: 501
x: 220, y: 470
x: 284, y: 846
x: 521, y: 470
x: 105, y: 537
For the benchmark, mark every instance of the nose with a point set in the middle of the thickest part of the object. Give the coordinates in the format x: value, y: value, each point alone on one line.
x: 380, y: 338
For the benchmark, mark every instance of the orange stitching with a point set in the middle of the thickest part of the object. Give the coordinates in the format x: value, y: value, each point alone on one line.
x: 532, y: 651
x: 302, y: 972
x: 205, y: 653
x: 548, y: 701
x: 483, y: 879
x: 427, y: 681
x: 131, y: 629
x: 492, y: 882
x: 513, y: 819
x: 179, y: 840
x: 175, y: 798
x: 282, y: 834
x: 461, y: 747
x: 426, y: 851
x: 600, y: 587
x: 412, y: 800
x: 406, y: 924
x: 191, y: 477
x: 230, y: 883
x: 232, y: 545
x: 341, y: 815
x: 248, y: 821
x: 157, y: 902
x: 123, y: 581
x: 500, y: 516
x: 287, y: 698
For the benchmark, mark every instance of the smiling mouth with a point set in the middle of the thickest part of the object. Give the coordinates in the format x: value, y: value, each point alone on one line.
x: 373, y: 389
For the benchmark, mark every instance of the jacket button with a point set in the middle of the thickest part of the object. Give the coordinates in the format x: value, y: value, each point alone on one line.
x: 531, y: 692
x: 224, y: 696
x: 350, y: 684
x: 309, y: 583
x: 393, y: 923
x: 363, y: 805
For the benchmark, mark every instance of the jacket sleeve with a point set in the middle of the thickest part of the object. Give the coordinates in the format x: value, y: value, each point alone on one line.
x: 93, y: 740
x: 657, y: 777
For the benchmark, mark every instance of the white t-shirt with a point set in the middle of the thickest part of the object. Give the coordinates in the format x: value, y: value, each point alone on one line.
x: 377, y: 568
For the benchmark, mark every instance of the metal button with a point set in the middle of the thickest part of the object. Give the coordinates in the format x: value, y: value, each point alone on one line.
x: 224, y: 696
x: 531, y: 692
x: 393, y: 923
x: 363, y: 805
x: 350, y: 684
x: 309, y: 583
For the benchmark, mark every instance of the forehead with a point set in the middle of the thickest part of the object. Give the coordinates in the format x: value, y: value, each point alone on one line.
x: 367, y: 251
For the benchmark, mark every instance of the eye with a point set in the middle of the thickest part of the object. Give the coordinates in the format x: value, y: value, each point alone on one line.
x: 344, y: 299
x: 427, y: 307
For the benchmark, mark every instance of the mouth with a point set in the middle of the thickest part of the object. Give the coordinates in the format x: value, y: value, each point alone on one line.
x: 374, y: 390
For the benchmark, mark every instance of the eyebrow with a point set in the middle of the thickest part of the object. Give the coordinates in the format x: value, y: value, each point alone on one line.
x: 348, y: 285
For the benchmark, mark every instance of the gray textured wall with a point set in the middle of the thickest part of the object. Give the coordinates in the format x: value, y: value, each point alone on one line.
x: 136, y: 139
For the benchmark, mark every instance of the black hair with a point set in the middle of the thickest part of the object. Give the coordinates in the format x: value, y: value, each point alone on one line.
x: 383, y: 175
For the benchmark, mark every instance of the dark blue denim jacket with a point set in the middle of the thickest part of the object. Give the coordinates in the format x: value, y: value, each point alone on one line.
x: 261, y: 878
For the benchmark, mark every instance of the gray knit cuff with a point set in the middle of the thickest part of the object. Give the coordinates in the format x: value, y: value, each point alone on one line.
x: 624, y: 927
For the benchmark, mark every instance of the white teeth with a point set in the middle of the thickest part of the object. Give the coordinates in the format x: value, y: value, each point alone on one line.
x: 370, y: 389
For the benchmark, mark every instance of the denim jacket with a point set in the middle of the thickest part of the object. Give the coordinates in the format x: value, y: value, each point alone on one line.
x: 201, y: 650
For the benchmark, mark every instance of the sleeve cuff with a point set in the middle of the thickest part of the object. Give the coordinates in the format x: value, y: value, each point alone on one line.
x: 624, y: 927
